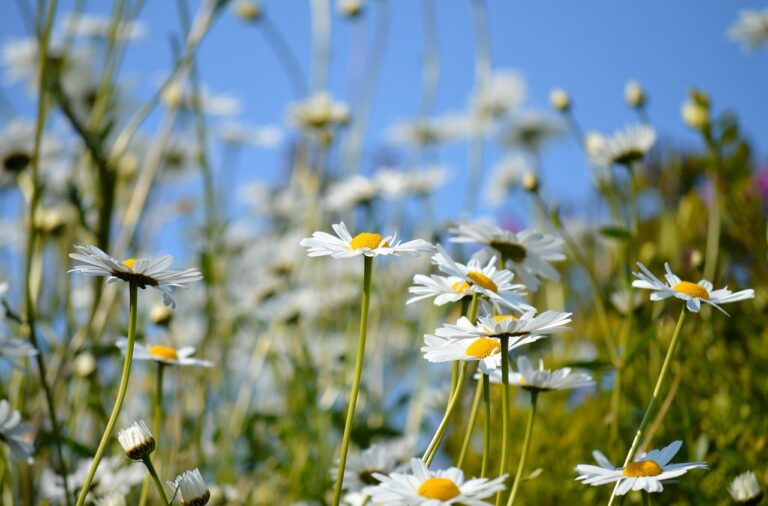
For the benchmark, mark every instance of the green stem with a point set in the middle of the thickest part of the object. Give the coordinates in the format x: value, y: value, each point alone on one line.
x: 505, y: 401
x: 526, y: 447
x: 365, y: 302
x: 486, y: 424
x: 158, y: 484
x: 105, y: 438
x: 646, y: 499
x: 470, y: 423
x: 431, y: 451
x: 157, y: 423
x: 654, y: 397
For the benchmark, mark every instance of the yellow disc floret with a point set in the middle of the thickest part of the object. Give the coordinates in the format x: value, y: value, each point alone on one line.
x: 483, y: 281
x: 483, y: 347
x: 643, y: 468
x: 460, y: 287
x: 692, y: 290
x: 501, y: 317
x: 165, y: 352
x: 129, y: 262
x: 441, y: 489
x: 367, y: 240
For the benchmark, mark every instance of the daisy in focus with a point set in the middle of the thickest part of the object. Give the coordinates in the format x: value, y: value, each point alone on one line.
x: 444, y: 289
x: 433, y: 488
x: 543, y: 380
x: 190, y: 488
x: 483, y: 350
x: 140, y: 271
x: 528, y: 253
x: 624, y: 147
x: 527, y: 327
x: 647, y: 472
x: 370, y: 244
x: 692, y: 293
x: 164, y: 354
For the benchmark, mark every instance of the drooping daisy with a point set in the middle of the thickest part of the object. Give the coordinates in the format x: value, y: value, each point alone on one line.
x: 528, y: 253
x: 624, y: 147
x: 751, y: 28
x: 744, y: 489
x: 433, y: 488
x: 136, y: 440
x: 496, y: 285
x: 692, y: 293
x: 486, y: 351
x: 190, y: 488
x: 140, y: 271
x: 12, y: 432
x: 528, y: 326
x: 164, y: 354
x: 647, y: 472
x: 361, y: 466
x: 370, y: 244
x: 542, y: 380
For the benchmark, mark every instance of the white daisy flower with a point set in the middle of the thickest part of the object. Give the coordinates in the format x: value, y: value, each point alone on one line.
x: 496, y: 285
x: 190, y: 488
x: 395, y: 184
x: 141, y: 271
x: 318, y: 112
x: 751, y: 28
x: 624, y: 147
x: 531, y: 131
x: 136, y: 440
x: 647, y: 472
x: 504, y: 92
x: 484, y: 350
x: 370, y: 244
x: 89, y: 26
x: 12, y: 432
x: 422, y: 133
x: 115, y: 499
x: 17, y: 143
x: 348, y: 193
x: 12, y: 348
x: 542, y: 379
x: 506, y: 175
x: 361, y: 466
x: 444, y: 289
x: 692, y: 293
x: 115, y: 475
x: 528, y: 252
x: 433, y: 488
x: 744, y: 489
x: 528, y: 326
x: 164, y: 354
x: 238, y: 134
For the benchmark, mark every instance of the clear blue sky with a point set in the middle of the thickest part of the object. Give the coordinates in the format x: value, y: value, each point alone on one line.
x: 590, y: 48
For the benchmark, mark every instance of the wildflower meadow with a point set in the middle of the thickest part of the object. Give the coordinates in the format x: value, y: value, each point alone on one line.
x: 381, y: 252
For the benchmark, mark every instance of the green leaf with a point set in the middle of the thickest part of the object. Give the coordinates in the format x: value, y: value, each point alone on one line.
x: 619, y: 233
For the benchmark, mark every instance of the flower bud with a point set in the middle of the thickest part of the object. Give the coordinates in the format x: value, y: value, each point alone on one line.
x: 560, y: 100
x: 349, y: 8
x: 634, y: 94
x: 744, y: 489
x: 248, y: 10
x: 191, y: 488
x: 530, y: 182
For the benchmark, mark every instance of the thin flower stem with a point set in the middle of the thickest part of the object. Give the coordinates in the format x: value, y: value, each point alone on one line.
x: 157, y: 422
x: 713, y: 219
x: 470, y: 423
x: 504, y: 462
x: 431, y: 451
x: 365, y: 302
x: 105, y: 438
x: 654, y: 397
x: 646, y: 499
x: 486, y: 425
x: 526, y: 447
x: 158, y: 484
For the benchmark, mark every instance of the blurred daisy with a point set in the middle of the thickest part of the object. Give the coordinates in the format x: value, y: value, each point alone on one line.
x: 115, y: 475
x: 140, y: 271
x: 115, y: 499
x: 395, y: 184
x: 422, y: 133
x: 531, y: 131
x: 12, y: 432
x: 483, y: 350
x: 17, y: 143
x: 361, y: 466
x: 370, y: 244
x: 495, y: 285
x: 744, y: 489
x: 318, y: 112
x: 268, y: 136
x: 528, y: 253
x: 692, y: 293
x: 624, y: 147
x: 348, y: 193
x: 190, y: 488
x: 527, y: 326
x: 647, y: 472
x: 164, y: 354
x: 12, y: 348
x: 634, y: 94
x: 751, y: 28
x: 506, y: 175
x: 503, y: 93
x: 542, y: 379
x: 433, y: 488
x: 96, y: 27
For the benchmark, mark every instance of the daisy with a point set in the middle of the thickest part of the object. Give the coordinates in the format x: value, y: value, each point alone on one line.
x: 17, y: 142
x: 422, y: 133
x: 444, y: 289
x: 506, y: 175
x: 12, y: 432
x: 395, y: 184
x: 370, y: 244
x: 744, y: 489
x: 528, y: 252
x: 495, y: 285
x: 751, y: 28
x: 361, y: 466
x: 348, y: 193
x: 137, y: 440
x: 692, y: 293
x: 624, y: 147
x: 96, y: 27
x: 527, y: 325
x: 140, y: 271
x: 318, y: 112
x: 238, y: 134
x: 164, y: 354
x: 503, y: 93
x: 12, y: 348
x: 190, y: 488
x: 647, y: 472
x: 542, y: 380
x: 433, y: 488
x: 484, y: 350
x: 531, y: 131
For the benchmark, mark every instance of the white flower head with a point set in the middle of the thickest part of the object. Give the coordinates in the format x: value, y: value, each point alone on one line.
x: 17, y: 142
x: 502, y: 94
x: 12, y: 432
x: 433, y: 488
x: 140, y: 271
x: 12, y: 348
x: 370, y: 244
x: 528, y: 252
x: 361, y: 467
x: 444, y: 289
x: 692, y: 293
x: 531, y: 131
x: 528, y: 327
x: 164, y: 354
x: 542, y: 379
x: 486, y: 351
x: 190, y: 488
x: 744, y: 489
x: 318, y: 112
x: 346, y: 194
x: 96, y: 27
x: 137, y: 440
x: 647, y: 472
x: 624, y: 147
x: 751, y: 28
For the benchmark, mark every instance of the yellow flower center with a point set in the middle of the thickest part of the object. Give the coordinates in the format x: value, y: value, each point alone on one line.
x: 692, y: 290
x: 502, y: 317
x: 161, y: 351
x: 129, y: 262
x: 367, y: 240
x: 483, y: 347
x: 644, y: 468
x: 460, y: 287
x: 441, y: 489
x: 483, y: 281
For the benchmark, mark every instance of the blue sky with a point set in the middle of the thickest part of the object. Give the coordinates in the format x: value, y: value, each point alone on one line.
x: 589, y: 48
